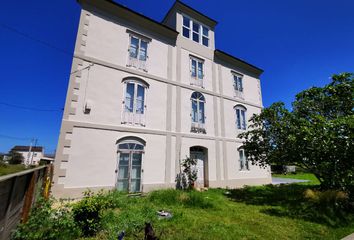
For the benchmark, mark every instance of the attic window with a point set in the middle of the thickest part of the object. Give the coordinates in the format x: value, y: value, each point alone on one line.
x: 192, y: 29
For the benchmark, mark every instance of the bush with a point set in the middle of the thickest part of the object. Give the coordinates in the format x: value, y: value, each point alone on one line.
x: 47, y: 223
x: 331, y: 206
x: 87, y: 212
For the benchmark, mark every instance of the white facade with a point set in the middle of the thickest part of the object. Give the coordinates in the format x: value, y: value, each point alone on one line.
x: 115, y: 99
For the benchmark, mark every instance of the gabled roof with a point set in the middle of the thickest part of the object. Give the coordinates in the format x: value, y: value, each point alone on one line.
x: 237, y: 61
x: 184, y: 8
x: 26, y: 149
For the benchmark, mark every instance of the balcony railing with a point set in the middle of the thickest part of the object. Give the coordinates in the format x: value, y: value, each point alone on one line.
x: 198, y: 128
x: 197, y: 82
x: 133, y: 119
x: 239, y: 94
x: 135, y: 62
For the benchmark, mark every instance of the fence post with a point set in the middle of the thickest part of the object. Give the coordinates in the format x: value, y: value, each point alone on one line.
x: 8, y: 209
x: 29, y: 197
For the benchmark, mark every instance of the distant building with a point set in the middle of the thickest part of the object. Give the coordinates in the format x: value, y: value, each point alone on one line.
x: 31, y: 155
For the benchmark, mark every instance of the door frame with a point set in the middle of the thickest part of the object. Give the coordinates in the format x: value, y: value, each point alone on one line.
x: 205, y: 163
x: 130, y: 152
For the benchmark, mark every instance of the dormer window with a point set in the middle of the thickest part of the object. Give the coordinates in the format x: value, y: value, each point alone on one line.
x: 199, y: 33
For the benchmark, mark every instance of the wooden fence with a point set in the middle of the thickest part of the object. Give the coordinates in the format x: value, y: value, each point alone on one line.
x: 18, y: 192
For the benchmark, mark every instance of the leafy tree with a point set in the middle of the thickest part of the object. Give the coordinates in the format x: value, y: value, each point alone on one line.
x: 317, y: 135
x: 16, y: 157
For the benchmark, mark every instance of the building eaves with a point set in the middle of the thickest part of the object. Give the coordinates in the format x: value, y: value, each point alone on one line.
x: 157, y: 24
x: 26, y: 148
x: 178, y: 4
x: 234, y: 60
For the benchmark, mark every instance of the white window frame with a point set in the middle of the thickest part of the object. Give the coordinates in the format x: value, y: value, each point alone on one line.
x: 243, y: 163
x: 136, y: 61
x: 196, y: 81
x: 198, y: 126
x: 191, y: 30
x: 134, y: 118
x: 238, y: 90
x: 243, y: 122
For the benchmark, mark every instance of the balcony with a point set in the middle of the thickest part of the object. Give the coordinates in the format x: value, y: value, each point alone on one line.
x: 135, y: 119
x: 198, y: 128
x: 197, y: 82
x: 135, y: 62
x: 239, y: 94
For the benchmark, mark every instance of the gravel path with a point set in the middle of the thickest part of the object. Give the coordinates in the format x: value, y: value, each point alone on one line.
x: 276, y: 180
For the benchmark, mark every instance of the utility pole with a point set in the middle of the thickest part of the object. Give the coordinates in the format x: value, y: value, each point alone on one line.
x: 35, y: 144
x: 29, y: 152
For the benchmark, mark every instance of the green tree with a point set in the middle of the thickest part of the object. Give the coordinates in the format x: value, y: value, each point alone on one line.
x: 318, y: 134
x: 16, y: 157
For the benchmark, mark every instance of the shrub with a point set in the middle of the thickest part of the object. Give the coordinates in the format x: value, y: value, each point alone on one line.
x: 87, y: 212
x: 48, y: 223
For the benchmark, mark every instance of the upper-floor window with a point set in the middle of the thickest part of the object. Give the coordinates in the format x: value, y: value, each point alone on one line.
x: 240, y: 117
x: 195, y: 31
x: 238, y: 85
x: 134, y: 102
x: 197, y: 72
x: 138, y: 49
x: 198, y: 112
x: 243, y: 160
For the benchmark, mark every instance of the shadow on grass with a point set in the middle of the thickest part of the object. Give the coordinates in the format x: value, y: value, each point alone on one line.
x: 290, y: 201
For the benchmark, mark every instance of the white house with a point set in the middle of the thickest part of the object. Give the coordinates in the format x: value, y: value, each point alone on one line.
x: 31, y: 154
x: 144, y: 94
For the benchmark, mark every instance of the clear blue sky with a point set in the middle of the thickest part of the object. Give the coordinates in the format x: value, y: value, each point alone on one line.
x: 299, y: 44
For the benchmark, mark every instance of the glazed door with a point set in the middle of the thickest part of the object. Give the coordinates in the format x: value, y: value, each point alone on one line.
x: 129, y: 172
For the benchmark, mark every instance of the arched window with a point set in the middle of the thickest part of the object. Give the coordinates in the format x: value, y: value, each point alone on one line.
x: 240, y: 117
x: 135, y: 101
x: 198, y: 112
x: 130, y: 152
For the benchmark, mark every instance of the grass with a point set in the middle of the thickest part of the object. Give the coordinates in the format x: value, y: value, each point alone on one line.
x: 268, y: 212
x: 303, y: 176
x: 8, y: 169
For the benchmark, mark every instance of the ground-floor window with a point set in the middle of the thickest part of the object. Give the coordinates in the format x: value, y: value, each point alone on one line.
x: 243, y: 160
x: 130, y: 152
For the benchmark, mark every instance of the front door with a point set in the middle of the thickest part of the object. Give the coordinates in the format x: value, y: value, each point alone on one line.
x: 129, y: 171
x: 199, y: 156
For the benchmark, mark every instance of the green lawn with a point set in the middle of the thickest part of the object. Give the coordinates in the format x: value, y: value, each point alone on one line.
x: 303, y: 176
x: 269, y: 212
x: 8, y: 169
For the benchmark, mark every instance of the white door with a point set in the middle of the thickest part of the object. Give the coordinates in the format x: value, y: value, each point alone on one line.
x: 199, y: 156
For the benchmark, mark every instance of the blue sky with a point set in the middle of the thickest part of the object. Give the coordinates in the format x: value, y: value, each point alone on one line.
x: 299, y: 44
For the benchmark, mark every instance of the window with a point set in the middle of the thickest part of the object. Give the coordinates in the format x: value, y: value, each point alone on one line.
x: 195, y: 31
x: 241, y: 117
x: 197, y: 73
x: 134, y: 103
x: 238, y: 85
x: 138, y: 52
x: 198, y: 114
x: 243, y: 160
x: 130, y: 151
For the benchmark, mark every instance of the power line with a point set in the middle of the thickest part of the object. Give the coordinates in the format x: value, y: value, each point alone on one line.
x: 30, y: 108
x: 45, y: 43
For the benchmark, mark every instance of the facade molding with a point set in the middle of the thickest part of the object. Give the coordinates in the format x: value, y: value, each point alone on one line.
x: 177, y: 83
